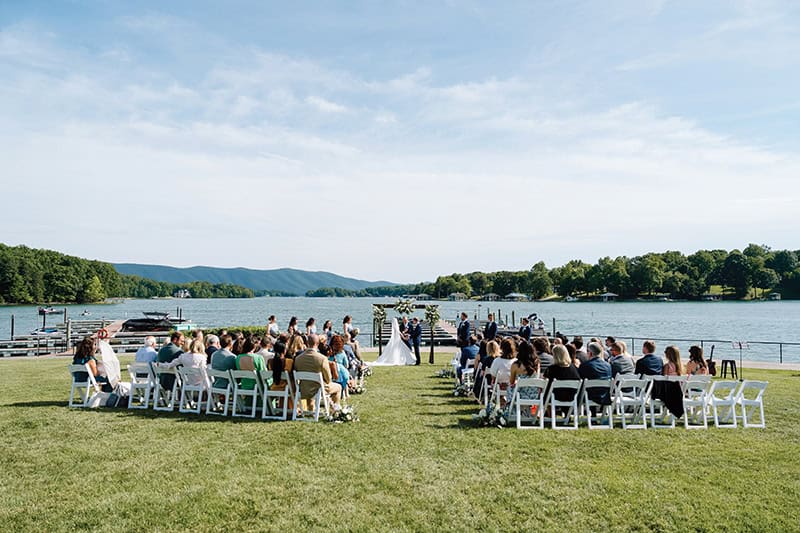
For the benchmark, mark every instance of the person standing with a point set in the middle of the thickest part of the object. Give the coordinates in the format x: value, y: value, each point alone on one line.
x: 415, y: 336
x: 272, y: 327
x: 525, y: 330
x: 490, y: 330
x: 462, y: 334
x: 404, y: 333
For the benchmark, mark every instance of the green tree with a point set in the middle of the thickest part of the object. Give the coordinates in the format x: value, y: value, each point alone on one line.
x: 92, y: 291
x: 539, y: 282
x: 736, y: 272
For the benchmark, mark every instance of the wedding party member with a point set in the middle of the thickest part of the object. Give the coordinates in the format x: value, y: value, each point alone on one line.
x: 696, y: 366
x: 327, y: 330
x: 311, y: 326
x: 415, y: 337
x: 525, y: 330
x: 621, y: 362
x: 673, y: 367
x: 462, y: 335
x: 291, y: 329
x: 84, y: 354
x: 347, y: 325
x: 223, y: 359
x: 313, y: 361
x: 596, y: 368
x: 650, y: 364
x: 250, y: 360
x: 272, y: 327
x: 490, y: 329
x: 147, y: 353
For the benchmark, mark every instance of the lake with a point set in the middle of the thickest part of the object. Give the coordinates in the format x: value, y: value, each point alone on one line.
x: 695, y: 321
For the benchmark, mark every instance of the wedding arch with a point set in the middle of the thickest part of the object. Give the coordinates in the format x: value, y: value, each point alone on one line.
x: 404, y: 307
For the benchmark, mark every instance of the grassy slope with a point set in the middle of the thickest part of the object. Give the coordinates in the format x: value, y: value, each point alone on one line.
x: 415, y: 461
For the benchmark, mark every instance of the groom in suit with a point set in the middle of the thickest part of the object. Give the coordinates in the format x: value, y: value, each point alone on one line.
x: 415, y: 336
x: 490, y: 330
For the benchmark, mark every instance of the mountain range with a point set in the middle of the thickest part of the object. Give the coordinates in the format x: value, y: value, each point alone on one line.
x: 288, y: 280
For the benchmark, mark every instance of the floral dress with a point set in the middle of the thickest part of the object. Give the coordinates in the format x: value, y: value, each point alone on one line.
x: 525, y: 393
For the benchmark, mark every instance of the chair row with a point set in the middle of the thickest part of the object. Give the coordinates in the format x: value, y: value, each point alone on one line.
x: 635, y: 402
x: 216, y: 392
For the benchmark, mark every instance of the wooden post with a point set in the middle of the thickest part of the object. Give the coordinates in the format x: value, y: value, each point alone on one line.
x: 12, y: 327
x: 380, y: 338
x: 554, y: 326
x: 430, y: 359
x: 513, y: 319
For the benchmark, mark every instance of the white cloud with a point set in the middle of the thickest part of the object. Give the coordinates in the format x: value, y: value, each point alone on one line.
x: 324, y: 105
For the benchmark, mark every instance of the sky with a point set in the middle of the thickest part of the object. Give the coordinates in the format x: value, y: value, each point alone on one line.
x: 397, y: 140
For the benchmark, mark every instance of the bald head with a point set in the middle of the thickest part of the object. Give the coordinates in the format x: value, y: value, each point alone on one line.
x: 313, y: 341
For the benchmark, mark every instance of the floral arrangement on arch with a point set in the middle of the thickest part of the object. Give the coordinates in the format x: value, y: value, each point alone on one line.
x: 378, y: 314
x: 404, y: 307
x: 345, y: 414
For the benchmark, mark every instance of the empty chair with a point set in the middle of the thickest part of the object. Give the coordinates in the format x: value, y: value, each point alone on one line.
x: 601, y: 411
x: 319, y: 399
x: 722, y: 397
x: 163, y: 398
x: 220, y: 392
x: 194, y: 384
x: 695, y: 402
x: 276, y: 402
x: 142, y: 383
x: 630, y: 397
x: 83, y: 384
x: 527, y: 407
x: 245, y: 399
x: 563, y: 402
x: 750, y: 405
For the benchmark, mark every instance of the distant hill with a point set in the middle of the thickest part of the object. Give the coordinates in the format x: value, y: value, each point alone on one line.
x: 288, y: 280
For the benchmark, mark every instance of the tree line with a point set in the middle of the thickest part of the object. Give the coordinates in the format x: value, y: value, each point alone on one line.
x: 29, y: 275
x: 752, y: 271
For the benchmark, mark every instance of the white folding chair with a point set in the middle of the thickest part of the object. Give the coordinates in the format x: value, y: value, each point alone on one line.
x: 319, y: 399
x: 164, y: 398
x: 750, y: 405
x: 468, y: 375
x: 571, y: 406
x: 194, y: 383
x: 219, y: 393
x: 722, y: 397
x: 630, y: 397
x: 602, y: 412
x: 486, y: 388
x: 241, y: 396
x: 142, y: 383
x: 83, y: 387
x: 529, y: 409
x: 660, y: 417
x: 270, y: 410
x: 499, y: 392
x: 695, y: 402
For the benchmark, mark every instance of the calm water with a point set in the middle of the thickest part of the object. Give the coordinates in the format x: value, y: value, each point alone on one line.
x: 748, y: 321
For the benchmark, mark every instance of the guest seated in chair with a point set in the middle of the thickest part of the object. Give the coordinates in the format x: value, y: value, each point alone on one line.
x: 194, y: 358
x: 696, y: 366
x: 313, y: 361
x: 620, y: 360
x: 337, y: 356
x: 500, y: 371
x: 85, y: 355
x: 562, y: 369
x: 525, y: 366
x: 223, y: 359
x: 468, y: 354
x: 250, y: 360
x: 543, y: 352
x: 673, y: 367
x: 596, y: 368
x: 650, y: 364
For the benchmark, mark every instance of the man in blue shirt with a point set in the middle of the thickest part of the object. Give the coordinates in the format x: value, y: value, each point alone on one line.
x: 468, y: 354
x: 596, y: 368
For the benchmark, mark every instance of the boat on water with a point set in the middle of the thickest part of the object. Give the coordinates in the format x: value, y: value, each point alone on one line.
x: 49, y: 310
x: 157, y: 321
x: 45, y: 331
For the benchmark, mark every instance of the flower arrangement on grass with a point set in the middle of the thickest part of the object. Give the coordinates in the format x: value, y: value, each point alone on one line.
x: 462, y: 390
x: 491, y: 416
x: 446, y: 372
x: 358, y: 389
x: 345, y: 414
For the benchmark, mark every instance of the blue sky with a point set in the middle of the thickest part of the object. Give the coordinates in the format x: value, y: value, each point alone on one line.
x: 398, y: 140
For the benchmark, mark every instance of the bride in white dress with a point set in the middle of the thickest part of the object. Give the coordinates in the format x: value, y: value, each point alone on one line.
x: 396, y: 352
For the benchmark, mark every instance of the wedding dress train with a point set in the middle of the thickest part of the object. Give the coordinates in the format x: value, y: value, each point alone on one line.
x: 396, y: 352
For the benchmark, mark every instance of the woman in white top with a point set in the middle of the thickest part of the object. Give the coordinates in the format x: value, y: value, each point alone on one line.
x: 311, y: 326
x: 501, y: 366
x: 195, y: 358
x: 272, y: 327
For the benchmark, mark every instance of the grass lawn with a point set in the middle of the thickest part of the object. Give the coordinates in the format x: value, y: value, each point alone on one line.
x: 415, y: 461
